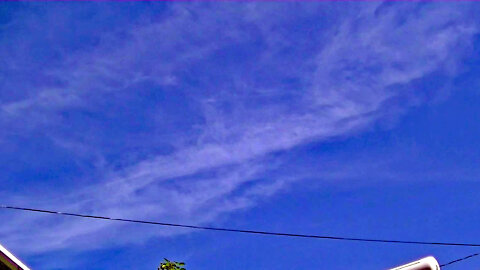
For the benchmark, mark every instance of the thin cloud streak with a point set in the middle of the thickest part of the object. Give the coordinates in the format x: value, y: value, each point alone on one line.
x: 359, y: 71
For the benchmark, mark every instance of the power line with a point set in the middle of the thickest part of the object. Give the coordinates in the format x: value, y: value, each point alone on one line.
x: 241, y: 230
x: 459, y: 260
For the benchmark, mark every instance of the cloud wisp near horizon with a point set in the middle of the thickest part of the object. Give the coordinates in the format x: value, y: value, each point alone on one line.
x: 177, y: 114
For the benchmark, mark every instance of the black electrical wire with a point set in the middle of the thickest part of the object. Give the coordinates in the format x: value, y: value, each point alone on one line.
x: 459, y: 260
x: 242, y: 230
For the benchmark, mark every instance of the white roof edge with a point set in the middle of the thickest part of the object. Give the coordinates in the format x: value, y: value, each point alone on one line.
x: 429, y: 262
x: 13, y: 258
x: 432, y: 262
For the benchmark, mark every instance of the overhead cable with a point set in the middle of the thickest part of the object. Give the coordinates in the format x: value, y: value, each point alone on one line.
x: 459, y: 260
x: 326, y: 237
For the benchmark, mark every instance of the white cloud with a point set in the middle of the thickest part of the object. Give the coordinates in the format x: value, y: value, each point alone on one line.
x: 355, y: 72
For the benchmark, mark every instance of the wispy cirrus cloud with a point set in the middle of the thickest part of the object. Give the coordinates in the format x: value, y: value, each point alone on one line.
x: 185, y: 111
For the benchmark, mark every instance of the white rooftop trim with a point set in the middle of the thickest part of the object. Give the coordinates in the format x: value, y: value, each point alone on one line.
x: 13, y: 258
x: 428, y: 263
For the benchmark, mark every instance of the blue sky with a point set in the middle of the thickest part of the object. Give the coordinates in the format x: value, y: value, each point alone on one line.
x: 348, y: 119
